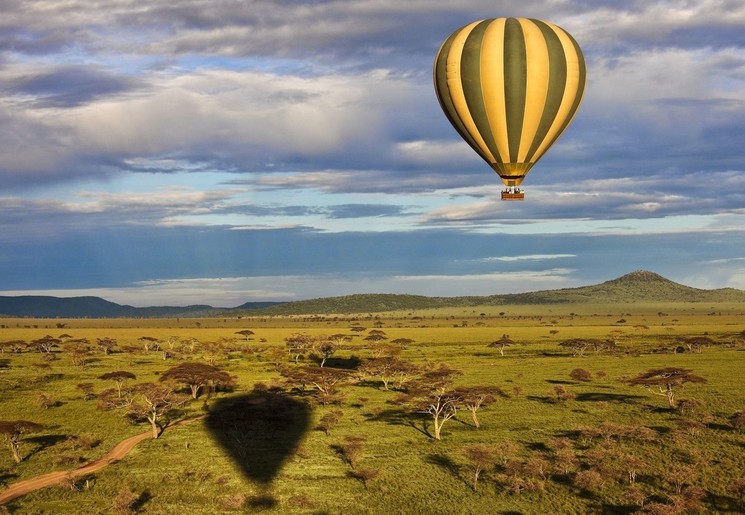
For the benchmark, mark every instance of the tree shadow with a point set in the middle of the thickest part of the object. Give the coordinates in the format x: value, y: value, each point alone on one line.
x: 42, y: 442
x: 350, y: 363
x: 607, y: 397
x: 141, y: 500
x: 6, y: 476
x: 444, y: 462
x: 261, y: 430
x: 397, y: 417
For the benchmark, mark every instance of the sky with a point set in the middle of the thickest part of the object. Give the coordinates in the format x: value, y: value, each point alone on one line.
x: 176, y: 152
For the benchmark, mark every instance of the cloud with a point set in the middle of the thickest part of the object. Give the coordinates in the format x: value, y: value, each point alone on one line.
x: 531, y: 257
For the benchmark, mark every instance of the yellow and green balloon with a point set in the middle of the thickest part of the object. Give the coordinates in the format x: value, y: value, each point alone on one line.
x: 510, y: 87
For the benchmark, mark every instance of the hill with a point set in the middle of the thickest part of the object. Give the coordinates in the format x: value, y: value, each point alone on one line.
x: 95, y: 307
x: 639, y: 286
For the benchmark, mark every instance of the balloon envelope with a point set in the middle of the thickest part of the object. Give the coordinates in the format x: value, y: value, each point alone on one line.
x: 510, y: 87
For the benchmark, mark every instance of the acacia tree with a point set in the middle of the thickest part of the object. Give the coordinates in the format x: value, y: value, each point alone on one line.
x: 106, y: 344
x: 476, y: 397
x: 666, y: 381
x: 297, y: 344
x: 245, y: 333
x: 325, y: 348
x: 155, y: 402
x: 480, y: 457
x: 13, y: 431
x: 197, y: 375
x: 325, y: 380
x: 120, y: 378
x: 500, y: 344
x: 388, y: 369
x: 432, y: 394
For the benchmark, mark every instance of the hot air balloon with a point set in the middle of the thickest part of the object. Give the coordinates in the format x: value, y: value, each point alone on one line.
x: 510, y: 87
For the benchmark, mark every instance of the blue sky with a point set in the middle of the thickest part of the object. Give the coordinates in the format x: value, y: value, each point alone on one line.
x: 179, y: 152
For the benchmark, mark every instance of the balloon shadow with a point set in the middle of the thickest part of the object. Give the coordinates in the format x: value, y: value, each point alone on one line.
x: 261, y: 430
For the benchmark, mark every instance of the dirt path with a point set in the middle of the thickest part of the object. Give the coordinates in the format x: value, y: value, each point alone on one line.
x: 116, y: 454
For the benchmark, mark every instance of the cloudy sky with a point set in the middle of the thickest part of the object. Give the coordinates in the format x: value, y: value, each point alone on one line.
x: 223, y: 151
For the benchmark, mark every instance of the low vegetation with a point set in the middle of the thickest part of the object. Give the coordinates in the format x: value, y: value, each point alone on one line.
x: 547, y: 409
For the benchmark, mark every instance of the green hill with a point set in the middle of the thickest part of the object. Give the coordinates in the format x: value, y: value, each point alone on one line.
x: 639, y: 286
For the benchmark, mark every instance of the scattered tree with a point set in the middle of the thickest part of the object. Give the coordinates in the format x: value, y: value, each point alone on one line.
x: 297, y: 344
x: 329, y: 421
x: 579, y: 346
x: 106, y: 345
x: 197, y: 375
x: 325, y: 348
x: 120, y: 378
x: 13, y: 432
x: 480, y: 457
x: 476, y: 397
x: 433, y: 395
x: 246, y: 333
x: 666, y: 380
x: 351, y: 449
x: 366, y: 475
x: 154, y: 403
x: 500, y: 344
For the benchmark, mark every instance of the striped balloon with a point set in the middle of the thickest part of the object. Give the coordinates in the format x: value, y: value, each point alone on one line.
x: 510, y: 86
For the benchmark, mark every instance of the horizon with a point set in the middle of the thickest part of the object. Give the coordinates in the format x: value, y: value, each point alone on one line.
x: 146, y: 305
x: 227, y: 154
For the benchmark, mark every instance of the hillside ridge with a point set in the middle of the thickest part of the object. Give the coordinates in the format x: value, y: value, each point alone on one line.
x: 637, y: 286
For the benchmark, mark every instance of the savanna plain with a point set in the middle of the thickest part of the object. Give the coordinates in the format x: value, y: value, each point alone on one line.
x: 513, y: 409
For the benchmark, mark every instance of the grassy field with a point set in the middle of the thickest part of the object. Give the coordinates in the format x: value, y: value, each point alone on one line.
x: 572, y: 456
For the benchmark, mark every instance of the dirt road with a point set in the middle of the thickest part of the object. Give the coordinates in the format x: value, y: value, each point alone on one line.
x: 117, y: 453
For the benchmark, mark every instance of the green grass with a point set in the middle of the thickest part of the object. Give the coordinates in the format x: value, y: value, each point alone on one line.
x: 188, y: 471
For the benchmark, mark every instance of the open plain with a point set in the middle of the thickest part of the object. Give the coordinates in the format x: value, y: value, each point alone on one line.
x: 289, y: 436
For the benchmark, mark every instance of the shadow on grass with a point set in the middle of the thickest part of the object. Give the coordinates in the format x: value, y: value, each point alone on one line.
x: 607, y: 397
x: 141, y: 500
x: 444, y: 462
x: 261, y: 431
x: 42, y: 442
x: 397, y: 417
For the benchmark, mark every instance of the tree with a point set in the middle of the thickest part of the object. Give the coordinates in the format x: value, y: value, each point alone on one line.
x: 106, y: 345
x: 325, y: 380
x: 325, y: 348
x: 480, y: 457
x: 197, y: 375
x: 120, y: 378
x: 475, y: 397
x: 666, y: 380
x: 14, y: 430
x: 579, y: 346
x: 155, y: 402
x: 500, y: 344
x: 297, y: 344
x: 387, y: 369
x: 246, y: 333
x: 150, y: 342
x: 432, y: 394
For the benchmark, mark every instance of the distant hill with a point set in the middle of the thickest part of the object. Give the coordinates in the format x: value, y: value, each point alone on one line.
x: 639, y: 286
x: 96, y: 307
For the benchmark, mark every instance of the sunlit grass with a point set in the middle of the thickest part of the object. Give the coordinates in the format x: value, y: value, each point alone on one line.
x: 187, y: 471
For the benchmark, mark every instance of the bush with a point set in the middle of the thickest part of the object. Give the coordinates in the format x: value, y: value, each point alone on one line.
x: 580, y: 374
x: 124, y: 502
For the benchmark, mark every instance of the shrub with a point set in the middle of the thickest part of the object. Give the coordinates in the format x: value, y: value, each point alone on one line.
x: 124, y: 502
x: 580, y: 374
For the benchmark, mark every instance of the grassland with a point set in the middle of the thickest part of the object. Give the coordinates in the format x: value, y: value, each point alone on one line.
x: 191, y: 470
